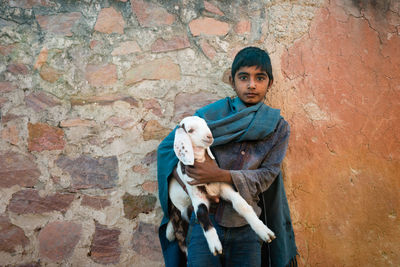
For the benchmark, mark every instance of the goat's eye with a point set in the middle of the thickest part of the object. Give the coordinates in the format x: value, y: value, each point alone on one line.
x: 191, y: 131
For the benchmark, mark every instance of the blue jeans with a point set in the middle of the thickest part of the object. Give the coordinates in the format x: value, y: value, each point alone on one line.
x: 241, y: 246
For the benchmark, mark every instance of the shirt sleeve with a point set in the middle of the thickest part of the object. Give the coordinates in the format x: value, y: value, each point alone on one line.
x: 250, y: 183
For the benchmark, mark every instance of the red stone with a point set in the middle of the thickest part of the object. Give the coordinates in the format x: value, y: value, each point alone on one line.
x: 77, y: 123
x: 109, y: 21
x: 176, y: 43
x: 121, y: 122
x: 49, y: 74
x: 42, y: 58
x: 10, y: 134
x: 97, y: 203
x: 45, y: 137
x: 149, y: 14
x: 243, y: 26
x: 18, y: 68
x: 28, y: 201
x: 150, y: 186
x: 126, y: 48
x: 143, y: 242
x: 40, y: 101
x: 105, y: 248
x: 87, y: 172
x: 140, y: 169
x: 6, y: 87
x: 5, y: 50
x: 59, y: 24
x: 101, y: 75
x: 57, y: 240
x: 11, y: 236
x: 208, y: 26
x: 153, y: 130
x: 18, y: 169
x: 208, y: 50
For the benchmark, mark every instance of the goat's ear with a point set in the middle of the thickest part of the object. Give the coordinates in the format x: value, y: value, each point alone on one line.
x: 183, y: 147
x: 210, y: 153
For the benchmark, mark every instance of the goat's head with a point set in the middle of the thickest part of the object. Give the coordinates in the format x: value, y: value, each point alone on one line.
x: 192, y: 134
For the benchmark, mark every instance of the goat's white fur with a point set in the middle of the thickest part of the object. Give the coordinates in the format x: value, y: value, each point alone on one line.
x: 192, y: 139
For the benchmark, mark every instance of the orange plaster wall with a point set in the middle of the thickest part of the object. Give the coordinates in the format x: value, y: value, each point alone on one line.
x: 343, y: 163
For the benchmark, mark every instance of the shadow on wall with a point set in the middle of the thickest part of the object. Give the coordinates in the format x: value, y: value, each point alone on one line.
x: 381, y: 6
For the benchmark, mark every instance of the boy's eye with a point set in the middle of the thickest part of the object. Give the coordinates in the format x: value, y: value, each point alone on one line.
x: 242, y: 78
x: 261, y: 78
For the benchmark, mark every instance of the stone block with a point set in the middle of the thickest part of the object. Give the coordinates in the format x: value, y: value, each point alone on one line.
x: 88, y: 172
x: 97, y: 203
x: 105, y: 247
x: 208, y: 26
x: 150, y: 186
x: 101, y: 75
x: 121, y: 122
x: 126, y: 48
x: 133, y: 205
x: 187, y: 103
x: 154, y: 131
x: 57, y: 240
x: 154, y: 106
x: 110, y: 21
x: 18, y: 68
x: 29, y: 201
x: 42, y: 58
x: 212, y: 9
x: 39, y: 101
x: 143, y: 242
x: 6, y: 87
x: 243, y: 26
x: 77, y: 123
x: 162, y: 68
x: 49, y: 74
x: 175, y: 43
x: 10, y: 134
x: 150, y: 14
x: 18, y: 169
x: 11, y: 236
x: 103, y: 100
x: 59, y: 24
x: 45, y: 137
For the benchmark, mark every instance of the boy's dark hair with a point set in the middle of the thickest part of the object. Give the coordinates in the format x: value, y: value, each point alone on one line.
x: 253, y: 56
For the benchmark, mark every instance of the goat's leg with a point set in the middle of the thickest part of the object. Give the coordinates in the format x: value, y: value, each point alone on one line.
x: 246, y: 211
x: 201, y: 204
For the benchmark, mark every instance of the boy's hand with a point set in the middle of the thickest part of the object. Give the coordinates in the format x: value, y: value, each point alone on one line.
x: 207, y: 172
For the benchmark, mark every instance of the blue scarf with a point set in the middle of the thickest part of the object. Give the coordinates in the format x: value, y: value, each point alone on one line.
x: 230, y: 120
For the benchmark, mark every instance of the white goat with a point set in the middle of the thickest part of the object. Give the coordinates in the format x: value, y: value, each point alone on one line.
x: 192, y: 139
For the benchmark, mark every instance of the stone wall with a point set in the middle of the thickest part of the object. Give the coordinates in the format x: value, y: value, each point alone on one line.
x: 89, y: 88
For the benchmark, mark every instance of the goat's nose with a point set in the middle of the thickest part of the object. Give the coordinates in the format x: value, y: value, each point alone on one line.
x: 209, y: 137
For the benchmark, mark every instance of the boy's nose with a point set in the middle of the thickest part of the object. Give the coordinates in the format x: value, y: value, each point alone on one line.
x: 251, y: 84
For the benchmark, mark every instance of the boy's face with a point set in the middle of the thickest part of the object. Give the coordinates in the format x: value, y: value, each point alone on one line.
x: 250, y: 84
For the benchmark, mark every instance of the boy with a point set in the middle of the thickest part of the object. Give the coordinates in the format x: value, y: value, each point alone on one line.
x: 250, y: 141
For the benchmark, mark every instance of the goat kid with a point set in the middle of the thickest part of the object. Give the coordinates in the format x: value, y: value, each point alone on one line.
x: 192, y: 139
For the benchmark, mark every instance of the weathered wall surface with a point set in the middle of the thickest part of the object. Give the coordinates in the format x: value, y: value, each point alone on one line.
x: 89, y: 88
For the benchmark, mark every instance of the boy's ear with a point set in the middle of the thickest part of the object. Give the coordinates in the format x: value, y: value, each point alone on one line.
x: 231, y: 81
x: 270, y: 83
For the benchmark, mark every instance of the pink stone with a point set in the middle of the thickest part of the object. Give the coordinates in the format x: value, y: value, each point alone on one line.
x: 213, y: 9
x: 187, y: 103
x: 121, y: 122
x: 208, y: 26
x: 42, y: 58
x: 31, y: 3
x: 105, y: 248
x: 77, y: 123
x: 150, y: 186
x: 18, y: 169
x: 59, y: 24
x: 154, y: 106
x: 5, y: 50
x: 163, y: 68
x: 45, y: 137
x: 11, y: 236
x: 109, y: 21
x: 97, y: 203
x: 6, y: 87
x: 40, y: 101
x: 176, y: 43
x: 18, y: 68
x: 154, y: 131
x: 10, y: 134
x: 101, y: 75
x: 149, y: 14
x: 243, y: 26
x: 140, y: 169
x: 208, y: 50
x: 29, y: 201
x: 126, y: 48
x: 57, y: 240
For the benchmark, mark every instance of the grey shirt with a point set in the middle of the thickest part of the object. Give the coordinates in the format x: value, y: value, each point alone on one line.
x: 253, y: 165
